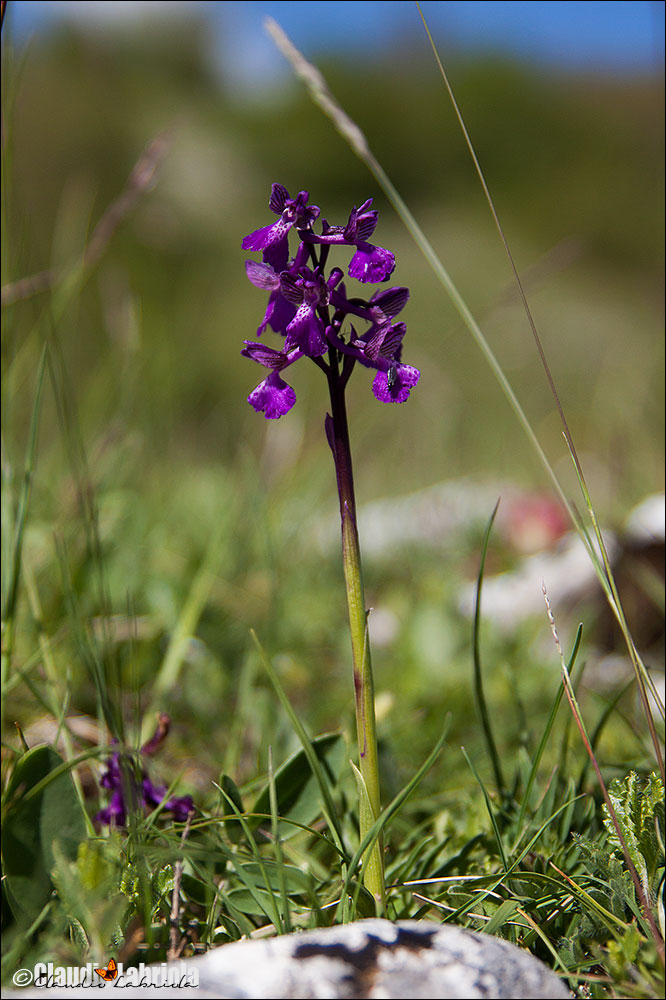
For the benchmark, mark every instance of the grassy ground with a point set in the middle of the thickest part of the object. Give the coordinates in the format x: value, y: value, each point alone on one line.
x: 160, y: 519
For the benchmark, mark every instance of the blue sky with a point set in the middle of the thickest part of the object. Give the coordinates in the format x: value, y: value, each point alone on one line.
x: 620, y: 37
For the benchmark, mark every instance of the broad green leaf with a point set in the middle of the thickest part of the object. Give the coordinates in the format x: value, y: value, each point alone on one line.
x: 296, y: 881
x: 257, y: 903
x: 195, y: 889
x: 98, y: 864
x: 43, y: 810
x: 261, y: 897
x: 298, y: 793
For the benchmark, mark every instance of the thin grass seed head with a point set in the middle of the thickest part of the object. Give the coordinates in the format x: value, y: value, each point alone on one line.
x: 310, y: 307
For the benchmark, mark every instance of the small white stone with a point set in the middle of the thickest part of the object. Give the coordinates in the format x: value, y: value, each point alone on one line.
x: 510, y: 598
x: 645, y: 524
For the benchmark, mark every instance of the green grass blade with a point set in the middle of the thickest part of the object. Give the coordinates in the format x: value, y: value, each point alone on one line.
x: 277, y: 843
x: 504, y: 912
x: 272, y: 911
x: 306, y: 743
x: 478, y: 675
x: 87, y: 648
x: 200, y: 588
x: 544, y: 739
x: 372, y: 863
x: 10, y: 597
x: 489, y: 807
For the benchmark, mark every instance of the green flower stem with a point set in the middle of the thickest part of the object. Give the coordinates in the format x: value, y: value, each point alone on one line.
x: 338, y: 437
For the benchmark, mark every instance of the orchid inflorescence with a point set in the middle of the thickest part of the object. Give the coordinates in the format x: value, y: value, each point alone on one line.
x: 132, y: 789
x: 310, y: 309
x: 314, y: 313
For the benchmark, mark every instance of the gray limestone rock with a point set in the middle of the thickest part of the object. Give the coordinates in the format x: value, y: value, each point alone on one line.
x: 372, y: 959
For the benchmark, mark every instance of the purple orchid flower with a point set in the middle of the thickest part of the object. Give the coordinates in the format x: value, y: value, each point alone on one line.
x: 279, y: 311
x: 273, y: 396
x: 273, y: 239
x: 394, y: 384
x: 307, y: 291
x: 310, y: 309
x: 370, y: 263
x: 137, y: 785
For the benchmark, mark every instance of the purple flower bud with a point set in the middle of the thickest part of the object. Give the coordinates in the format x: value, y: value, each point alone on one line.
x: 362, y: 224
x: 389, y: 301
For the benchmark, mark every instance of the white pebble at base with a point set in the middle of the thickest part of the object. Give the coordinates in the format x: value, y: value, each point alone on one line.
x: 373, y: 959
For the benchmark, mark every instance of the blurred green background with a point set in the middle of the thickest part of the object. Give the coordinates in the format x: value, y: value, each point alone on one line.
x: 147, y: 379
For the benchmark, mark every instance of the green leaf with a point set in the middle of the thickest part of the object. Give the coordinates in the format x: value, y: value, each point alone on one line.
x: 263, y: 882
x: 43, y: 810
x: 639, y: 808
x: 364, y: 902
x: 622, y: 952
x: 504, y: 912
x: 232, y: 826
x: 88, y: 893
x: 298, y: 794
x: 296, y: 881
x: 257, y: 903
x: 98, y: 864
x: 195, y: 889
x: 372, y: 864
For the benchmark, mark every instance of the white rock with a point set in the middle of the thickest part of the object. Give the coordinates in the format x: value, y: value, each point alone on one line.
x: 646, y: 523
x: 372, y: 959
x: 567, y: 573
x: 432, y: 517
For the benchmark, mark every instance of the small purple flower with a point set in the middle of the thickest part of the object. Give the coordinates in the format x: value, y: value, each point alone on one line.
x: 307, y: 291
x: 179, y: 805
x: 311, y: 310
x: 273, y: 396
x: 279, y: 312
x: 394, y: 384
x: 370, y: 263
x: 273, y: 239
x: 128, y: 780
x: 114, y: 812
